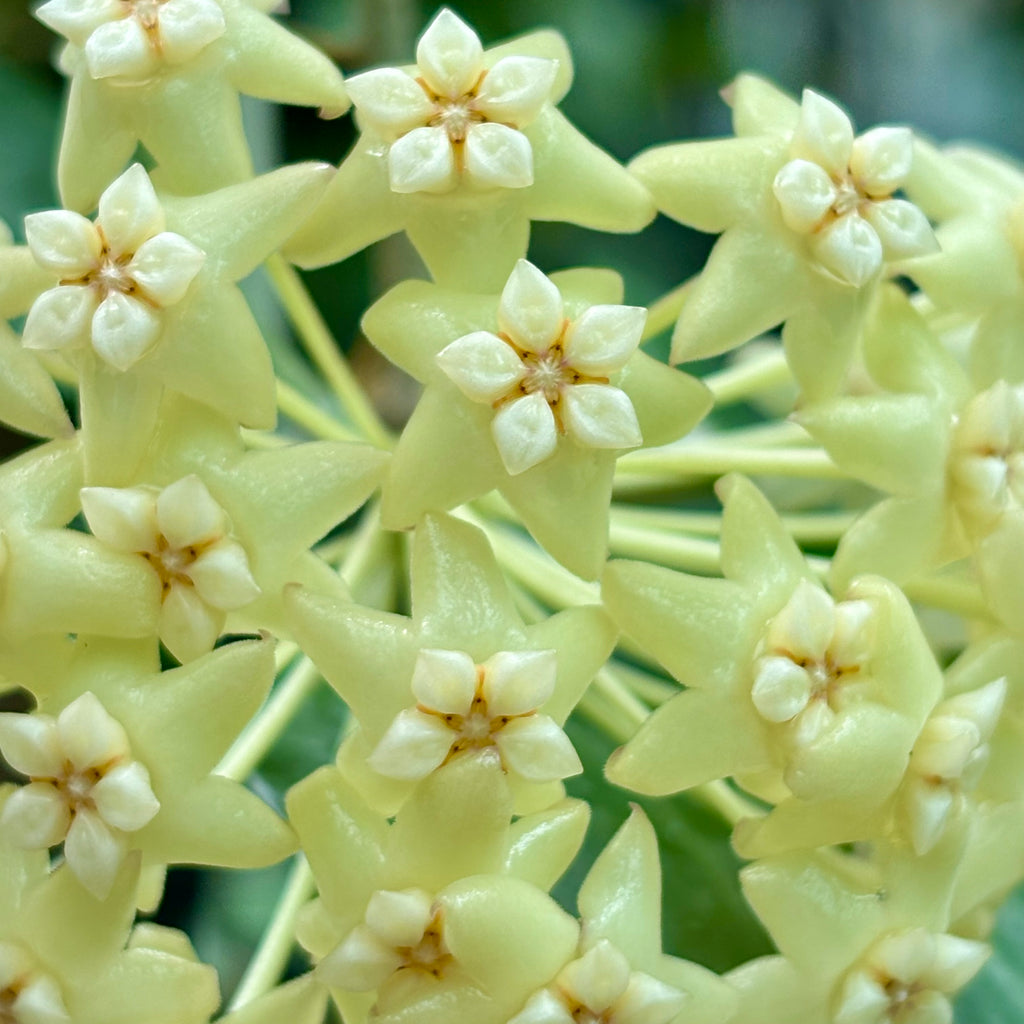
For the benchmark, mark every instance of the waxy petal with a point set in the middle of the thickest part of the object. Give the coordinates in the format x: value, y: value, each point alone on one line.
x: 804, y: 627
x: 824, y: 133
x: 525, y: 433
x: 518, y: 682
x: 35, y: 817
x: 422, y: 161
x: 93, y: 852
x: 601, y: 416
x: 449, y: 55
x: 129, y: 211
x: 40, y: 1002
x: 124, y: 797
x: 187, y: 27
x: 781, y: 688
x: 543, y: 1007
x: 78, y: 19
x: 124, y: 330
x: 498, y: 156
x: 360, y: 964
x: 649, y: 1001
x: 399, y: 918
x: 515, y: 89
x: 61, y: 318
x: 482, y: 366
x: 850, y: 248
x: 531, y: 311
x: 537, y: 749
x: 601, y: 341
x: 444, y: 681
x: 389, y: 100
x: 413, y: 746
x: 165, y: 265
x: 30, y: 744
x: 121, y: 49
x: 89, y: 736
x: 63, y: 242
x: 902, y: 229
x: 187, y: 514
x: 881, y: 159
x: 123, y: 517
x: 598, y: 978
x: 189, y: 627
x: 805, y: 193
x: 222, y: 576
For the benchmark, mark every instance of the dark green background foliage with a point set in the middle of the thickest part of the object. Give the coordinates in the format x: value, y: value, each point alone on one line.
x: 647, y: 71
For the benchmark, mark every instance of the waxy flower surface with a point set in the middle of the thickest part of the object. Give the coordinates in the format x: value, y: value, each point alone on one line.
x: 167, y: 74
x: 534, y: 393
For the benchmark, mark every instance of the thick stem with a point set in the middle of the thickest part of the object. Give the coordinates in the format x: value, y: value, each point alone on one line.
x: 302, y: 412
x: 710, y: 459
x: 746, y: 377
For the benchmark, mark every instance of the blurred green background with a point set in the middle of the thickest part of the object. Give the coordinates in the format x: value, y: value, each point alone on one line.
x: 647, y: 71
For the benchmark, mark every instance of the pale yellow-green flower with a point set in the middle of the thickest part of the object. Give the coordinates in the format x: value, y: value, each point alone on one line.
x: 462, y: 151
x: 167, y: 74
x: 535, y: 393
x: 463, y: 675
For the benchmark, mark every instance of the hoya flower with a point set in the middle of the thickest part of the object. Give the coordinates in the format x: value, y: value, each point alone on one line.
x: 120, y: 757
x: 462, y: 151
x: 166, y: 74
x: 221, y: 530
x: 429, y: 918
x: 184, y: 535
x: 534, y: 392
x: 85, y: 789
x: 808, y: 222
x: 619, y: 974
x: 811, y: 703
x: 117, y: 275
x: 66, y: 956
x: 452, y: 117
x: 861, y: 943
x: 464, y: 676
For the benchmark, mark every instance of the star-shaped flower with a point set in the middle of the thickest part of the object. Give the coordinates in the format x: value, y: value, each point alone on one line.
x: 808, y: 219
x: 813, y: 704
x: 220, y: 531
x: 441, y: 916
x: 461, y: 152
x: 463, y: 675
x: 619, y: 974
x: 534, y: 393
x: 119, y: 757
x: 166, y: 74
x: 130, y: 300
x: 66, y: 956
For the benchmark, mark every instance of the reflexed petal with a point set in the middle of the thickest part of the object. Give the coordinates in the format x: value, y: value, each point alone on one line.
x: 525, y: 433
x: 515, y: 89
x: 65, y: 243
x: 61, y: 318
x: 598, y: 978
x: 186, y: 513
x: 422, y: 161
x: 449, y: 55
x: 89, y: 736
x: 30, y: 744
x: 222, y: 576
x: 389, y: 100
x: 165, y: 266
x: 862, y: 1001
x: 483, y: 367
x: 35, y: 817
x: 824, y: 133
x: 881, y: 159
x: 444, y: 681
x: 902, y: 228
x: 850, y: 248
x: 543, y: 1007
x: 413, y: 746
x: 982, y: 706
x: 187, y: 27
x: 124, y: 330
x: 517, y: 682
x: 927, y: 807
x: 537, y: 749
x: 124, y: 797
x: 360, y: 964
x: 120, y: 49
x: 904, y: 955
x: 498, y: 156
x: 930, y: 1007
x: 945, y: 746
x: 600, y: 342
x: 531, y: 311
x: 781, y: 688
x: 601, y: 416
x: 77, y: 19
x: 399, y: 918
x: 852, y: 639
x: 956, y: 961
x: 805, y: 625
x: 93, y: 852
x: 40, y: 1002
x: 123, y: 517
x: 649, y: 1001
x: 189, y: 627
x: 129, y: 211
x: 805, y: 193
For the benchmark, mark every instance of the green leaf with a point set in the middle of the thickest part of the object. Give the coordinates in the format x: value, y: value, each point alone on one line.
x: 704, y: 917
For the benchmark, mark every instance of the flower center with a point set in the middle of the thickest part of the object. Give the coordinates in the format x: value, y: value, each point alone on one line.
x: 172, y: 564
x: 430, y: 954
x: 146, y: 11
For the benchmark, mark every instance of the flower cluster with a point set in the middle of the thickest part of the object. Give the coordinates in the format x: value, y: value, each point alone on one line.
x: 178, y: 573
